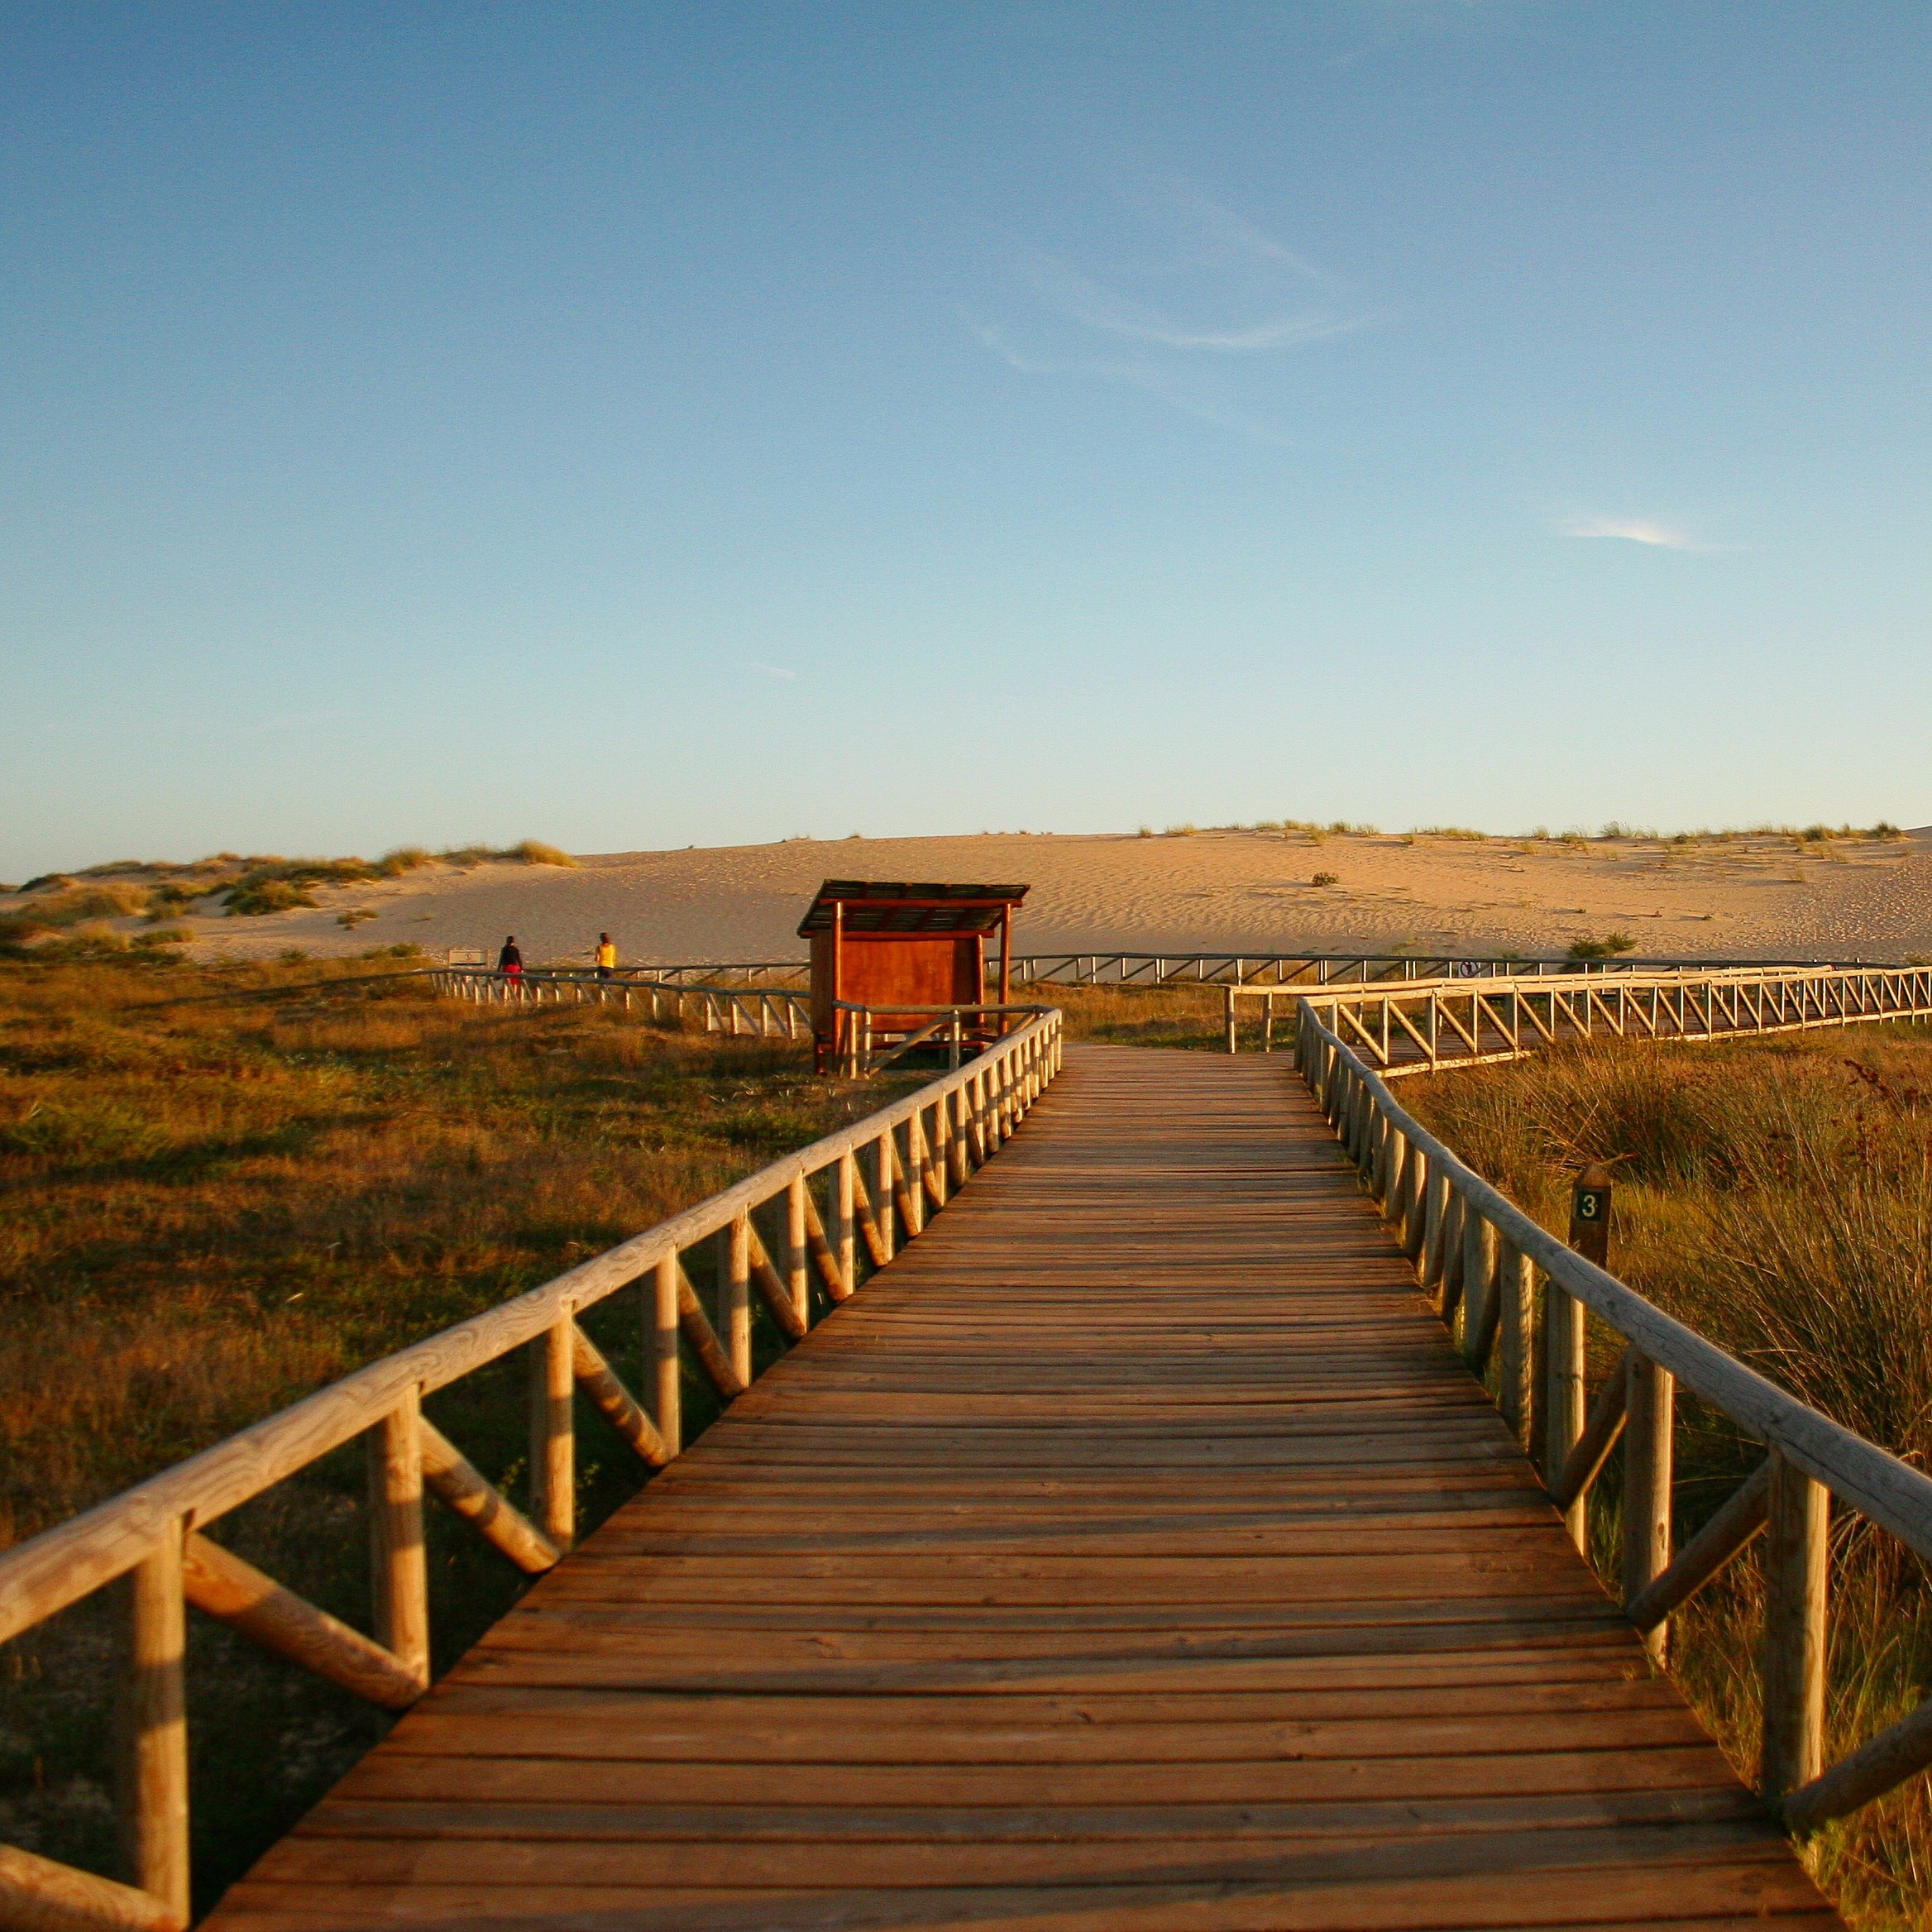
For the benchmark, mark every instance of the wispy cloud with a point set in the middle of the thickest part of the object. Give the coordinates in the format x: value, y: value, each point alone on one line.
x: 773, y: 670
x: 1081, y: 299
x: 1632, y: 530
x: 1194, y: 395
x: 1208, y: 303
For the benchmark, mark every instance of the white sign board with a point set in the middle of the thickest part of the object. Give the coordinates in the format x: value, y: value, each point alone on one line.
x: 463, y: 956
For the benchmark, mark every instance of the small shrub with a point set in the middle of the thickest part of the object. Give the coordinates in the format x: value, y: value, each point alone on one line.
x: 1585, y: 947
x: 535, y: 852
x: 272, y: 884
x: 1144, y: 832
x: 258, y: 897
x: 403, y: 859
x: 1182, y: 831
x: 1326, y: 878
x: 355, y: 916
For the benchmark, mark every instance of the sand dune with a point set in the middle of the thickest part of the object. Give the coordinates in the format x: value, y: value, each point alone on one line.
x: 1219, y: 892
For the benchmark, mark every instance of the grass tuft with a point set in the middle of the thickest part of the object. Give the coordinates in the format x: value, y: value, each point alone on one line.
x: 1586, y: 946
x: 535, y: 852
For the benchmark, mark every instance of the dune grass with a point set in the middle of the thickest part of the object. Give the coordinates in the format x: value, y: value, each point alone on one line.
x: 1775, y: 1195
x: 226, y: 1186
x: 158, y: 889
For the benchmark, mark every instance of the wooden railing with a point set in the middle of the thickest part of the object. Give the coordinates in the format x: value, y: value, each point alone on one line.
x: 1508, y: 1288
x: 1304, y: 970
x: 862, y: 1191
x: 869, y: 1047
x: 1423, y: 1029
x: 1132, y: 968
x: 762, y: 1013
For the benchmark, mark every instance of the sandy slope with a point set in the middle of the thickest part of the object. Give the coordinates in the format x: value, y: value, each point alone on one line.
x: 1223, y: 891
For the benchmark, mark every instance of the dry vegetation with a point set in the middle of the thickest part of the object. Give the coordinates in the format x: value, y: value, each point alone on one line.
x: 1776, y: 1195
x: 74, y: 912
x: 226, y: 1186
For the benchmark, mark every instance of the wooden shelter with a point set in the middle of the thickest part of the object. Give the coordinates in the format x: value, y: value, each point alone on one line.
x: 893, y: 947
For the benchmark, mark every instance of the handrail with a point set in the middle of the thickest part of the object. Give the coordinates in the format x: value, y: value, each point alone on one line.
x: 1278, y: 968
x: 860, y: 1056
x: 1281, y: 969
x: 154, y: 1530
x: 1478, y: 1252
x: 1431, y: 1026
x: 765, y: 1012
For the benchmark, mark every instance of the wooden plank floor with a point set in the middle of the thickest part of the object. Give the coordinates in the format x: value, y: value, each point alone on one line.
x: 1135, y: 1552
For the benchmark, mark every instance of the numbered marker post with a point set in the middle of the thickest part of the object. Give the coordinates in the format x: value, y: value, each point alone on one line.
x: 1589, y: 1215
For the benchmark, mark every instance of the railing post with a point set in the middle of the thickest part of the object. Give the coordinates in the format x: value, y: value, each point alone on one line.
x: 1649, y: 1411
x: 881, y: 1192
x: 915, y: 1174
x: 1435, y: 1213
x: 1394, y: 1162
x: 956, y: 1137
x: 152, y: 1728
x: 796, y: 1254
x: 733, y: 1250
x: 1563, y: 1410
x: 1413, y: 1216
x: 1479, y: 1279
x: 399, y: 1561
x: 663, y: 1380
x: 1797, y: 1528
x: 845, y: 1219
x: 554, y: 1447
x: 1564, y: 1338
x: 1227, y: 1000
x: 1516, y: 1341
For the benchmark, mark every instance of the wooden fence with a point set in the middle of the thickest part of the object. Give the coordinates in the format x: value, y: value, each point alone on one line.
x: 759, y: 1012
x: 1131, y: 969
x: 762, y: 1012
x: 1508, y: 1289
x: 1423, y: 1029
x: 862, y: 1191
x: 1304, y: 970
x: 869, y: 1047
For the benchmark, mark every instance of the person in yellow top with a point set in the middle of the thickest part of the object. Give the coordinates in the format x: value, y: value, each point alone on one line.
x: 606, y: 955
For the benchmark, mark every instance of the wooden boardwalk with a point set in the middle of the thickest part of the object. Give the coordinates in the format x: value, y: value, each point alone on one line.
x: 1135, y: 1552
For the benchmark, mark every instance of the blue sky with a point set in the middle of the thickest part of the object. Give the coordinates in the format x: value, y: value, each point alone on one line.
x: 638, y: 426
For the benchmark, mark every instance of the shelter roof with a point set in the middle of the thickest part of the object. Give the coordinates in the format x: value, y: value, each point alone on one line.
x: 879, y: 906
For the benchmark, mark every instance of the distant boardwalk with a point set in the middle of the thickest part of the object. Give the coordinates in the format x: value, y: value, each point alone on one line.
x: 1136, y: 1551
